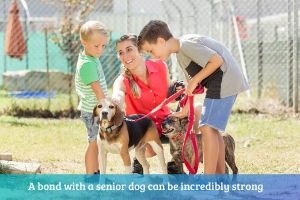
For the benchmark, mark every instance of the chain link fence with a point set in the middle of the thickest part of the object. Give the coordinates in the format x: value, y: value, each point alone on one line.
x: 261, y: 34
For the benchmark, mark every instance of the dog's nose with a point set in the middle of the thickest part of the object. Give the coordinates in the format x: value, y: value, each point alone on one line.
x: 104, y: 113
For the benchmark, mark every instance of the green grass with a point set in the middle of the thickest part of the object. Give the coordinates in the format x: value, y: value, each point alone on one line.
x: 264, y: 144
x: 42, y: 140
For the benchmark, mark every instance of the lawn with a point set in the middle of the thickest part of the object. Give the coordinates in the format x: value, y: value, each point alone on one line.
x: 264, y: 144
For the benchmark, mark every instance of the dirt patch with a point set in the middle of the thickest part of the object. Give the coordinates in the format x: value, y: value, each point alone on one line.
x: 267, y: 107
x: 63, y: 168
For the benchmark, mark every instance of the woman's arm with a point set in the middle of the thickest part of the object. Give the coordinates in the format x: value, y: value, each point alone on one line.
x: 118, y: 93
x: 167, y: 75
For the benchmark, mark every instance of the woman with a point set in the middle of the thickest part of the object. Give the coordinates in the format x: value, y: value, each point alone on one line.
x: 141, y: 87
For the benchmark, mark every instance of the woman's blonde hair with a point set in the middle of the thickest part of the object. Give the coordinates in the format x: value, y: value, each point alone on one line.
x: 90, y: 27
x: 135, y: 89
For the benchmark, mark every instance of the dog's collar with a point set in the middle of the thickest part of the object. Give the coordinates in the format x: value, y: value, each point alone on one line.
x: 178, y: 136
x: 111, y: 128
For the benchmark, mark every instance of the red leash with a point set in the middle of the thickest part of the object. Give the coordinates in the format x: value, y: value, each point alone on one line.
x: 190, y: 132
x: 165, y: 102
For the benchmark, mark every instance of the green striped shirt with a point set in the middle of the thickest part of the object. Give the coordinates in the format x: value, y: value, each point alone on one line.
x: 88, y: 70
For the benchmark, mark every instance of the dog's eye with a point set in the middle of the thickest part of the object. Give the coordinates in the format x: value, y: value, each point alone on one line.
x: 99, y: 106
x: 111, y: 107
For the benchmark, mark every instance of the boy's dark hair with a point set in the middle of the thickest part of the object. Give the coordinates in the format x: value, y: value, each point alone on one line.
x: 153, y: 30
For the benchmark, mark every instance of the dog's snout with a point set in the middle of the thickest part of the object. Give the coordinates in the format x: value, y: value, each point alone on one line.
x: 167, y: 121
x: 165, y: 124
x: 104, y: 113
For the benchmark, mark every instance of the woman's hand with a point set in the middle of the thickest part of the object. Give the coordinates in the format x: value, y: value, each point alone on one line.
x: 174, y: 88
x: 118, y: 98
x: 182, y: 113
x: 179, y: 114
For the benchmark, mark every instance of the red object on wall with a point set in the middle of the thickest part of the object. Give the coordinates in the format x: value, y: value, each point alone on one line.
x: 15, y: 45
x: 241, y: 27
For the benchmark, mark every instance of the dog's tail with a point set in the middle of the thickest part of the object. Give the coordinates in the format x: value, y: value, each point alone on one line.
x: 229, y: 153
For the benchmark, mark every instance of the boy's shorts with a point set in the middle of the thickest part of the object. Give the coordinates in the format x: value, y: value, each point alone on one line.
x: 216, y: 112
x: 92, y: 128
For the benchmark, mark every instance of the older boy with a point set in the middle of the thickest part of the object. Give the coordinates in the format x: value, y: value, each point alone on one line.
x: 205, y: 61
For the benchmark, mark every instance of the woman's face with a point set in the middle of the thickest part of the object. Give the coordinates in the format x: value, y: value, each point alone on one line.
x: 128, y: 54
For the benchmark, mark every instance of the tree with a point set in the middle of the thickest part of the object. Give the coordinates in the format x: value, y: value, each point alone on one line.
x: 67, y: 36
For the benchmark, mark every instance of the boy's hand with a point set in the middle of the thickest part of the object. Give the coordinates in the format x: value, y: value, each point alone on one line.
x: 191, y: 87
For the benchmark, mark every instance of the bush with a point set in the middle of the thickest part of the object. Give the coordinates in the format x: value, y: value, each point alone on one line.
x: 17, y: 111
x: 4, y: 169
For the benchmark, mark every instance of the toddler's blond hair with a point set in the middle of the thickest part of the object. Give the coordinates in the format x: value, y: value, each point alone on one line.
x: 90, y: 27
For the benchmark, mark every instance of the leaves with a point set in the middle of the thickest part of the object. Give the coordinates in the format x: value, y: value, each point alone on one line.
x: 67, y: 35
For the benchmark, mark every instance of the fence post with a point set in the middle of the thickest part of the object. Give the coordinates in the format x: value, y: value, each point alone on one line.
x: 259, y: 51
x: 26, y: 24
x: 290, y: 56
x: 128, y: 16
x: 225, y: 27
x: 195, y: 15
x: 4, y: 32
x: 212, y: 19
x: 295, y: 60
x: 230, y: 24
x: 180, y: 16
x: 239, y: 45
x: 165, y: 8
x: 47, y: 66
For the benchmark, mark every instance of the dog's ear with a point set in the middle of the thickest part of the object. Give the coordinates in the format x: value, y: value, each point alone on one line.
x: 184, y: 121
x: 119, y: 116
x: 95, y: 118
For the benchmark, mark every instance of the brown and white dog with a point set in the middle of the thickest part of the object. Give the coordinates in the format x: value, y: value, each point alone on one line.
x: 118, y: 135
x: 175, y: 128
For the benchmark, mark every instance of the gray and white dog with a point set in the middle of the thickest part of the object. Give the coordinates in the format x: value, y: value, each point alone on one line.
x: 175, y: 129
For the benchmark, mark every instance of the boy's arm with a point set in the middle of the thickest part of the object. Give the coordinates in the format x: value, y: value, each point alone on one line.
x: 213, y: 64
x: 97, y: 90
x: 89, y: 76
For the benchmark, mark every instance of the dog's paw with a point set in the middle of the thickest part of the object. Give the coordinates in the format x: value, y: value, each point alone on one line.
x: 128, y: 170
